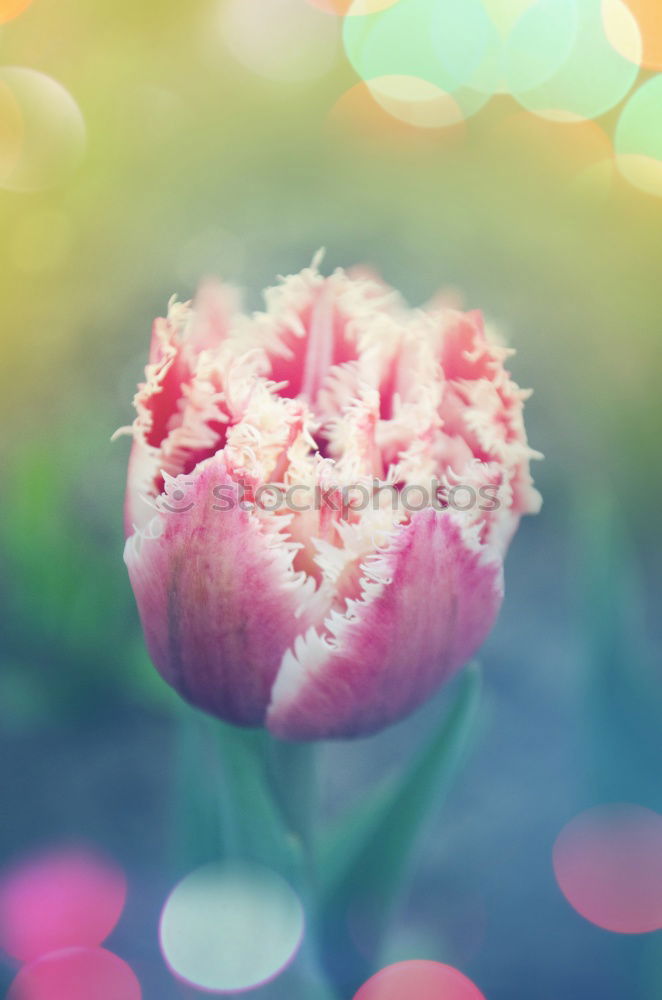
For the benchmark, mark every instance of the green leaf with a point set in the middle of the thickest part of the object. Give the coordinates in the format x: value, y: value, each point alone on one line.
x: 367, y: 859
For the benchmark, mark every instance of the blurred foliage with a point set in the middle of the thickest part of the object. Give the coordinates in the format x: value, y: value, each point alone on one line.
x: 623, y: 683
x: 72, y: 645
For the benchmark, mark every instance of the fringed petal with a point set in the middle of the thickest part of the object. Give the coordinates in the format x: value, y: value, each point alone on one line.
x: 429, y: 599
x: 219, y: 599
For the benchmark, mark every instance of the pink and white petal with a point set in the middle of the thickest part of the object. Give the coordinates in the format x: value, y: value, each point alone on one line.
x: 180, y: 419
x: 313, y: 323
x: 434, y: 597
x: 218, y: 598
x: 157, y: 401
x: 143, y: 472
x: 198, y: 433
x: 309, y: 332
x: 466, y: 350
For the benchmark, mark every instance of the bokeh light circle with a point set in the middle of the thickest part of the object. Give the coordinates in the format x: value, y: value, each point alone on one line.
x: 227, y: 928
x: 416, y: 102
x: 416, y: 40
x: 52, y: 140
x: 461, y: 35
x: 608, y: 864
x: 638, y: 138
x: 76, y: 974
x: 505, y: 13
x: 594, y: 76
x: 622, y: 30
x: 377, y: 115
x: 9, y: 9
x: 11, y: 132
x: 540, y: 42
x: 420, y: 40
x: 288, y: 41
x: 59, y: 899
x: 353, y: 8
x: 419, y: 980
x: 648, y: 16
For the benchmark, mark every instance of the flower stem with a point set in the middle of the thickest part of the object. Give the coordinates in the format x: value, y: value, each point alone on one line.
x: 292, y: 774
x: 268, y: 815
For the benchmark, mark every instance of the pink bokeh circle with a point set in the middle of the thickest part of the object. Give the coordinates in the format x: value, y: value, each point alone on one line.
x: 608, y: 865
x: 422, y: 980
x: 76, y: 974
x: 58, y: 900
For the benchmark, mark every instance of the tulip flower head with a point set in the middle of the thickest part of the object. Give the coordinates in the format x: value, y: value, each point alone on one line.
x: 320, y: 497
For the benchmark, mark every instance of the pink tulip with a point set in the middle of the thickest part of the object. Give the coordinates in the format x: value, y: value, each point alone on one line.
x: 393, y: 443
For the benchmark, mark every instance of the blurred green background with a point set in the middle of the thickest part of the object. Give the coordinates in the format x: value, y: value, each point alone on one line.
x: 195, y: 163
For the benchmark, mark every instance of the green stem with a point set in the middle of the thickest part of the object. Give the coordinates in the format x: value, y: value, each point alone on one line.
x: 371, y: 853
x: 292, y: 773
x: 269, y: 811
